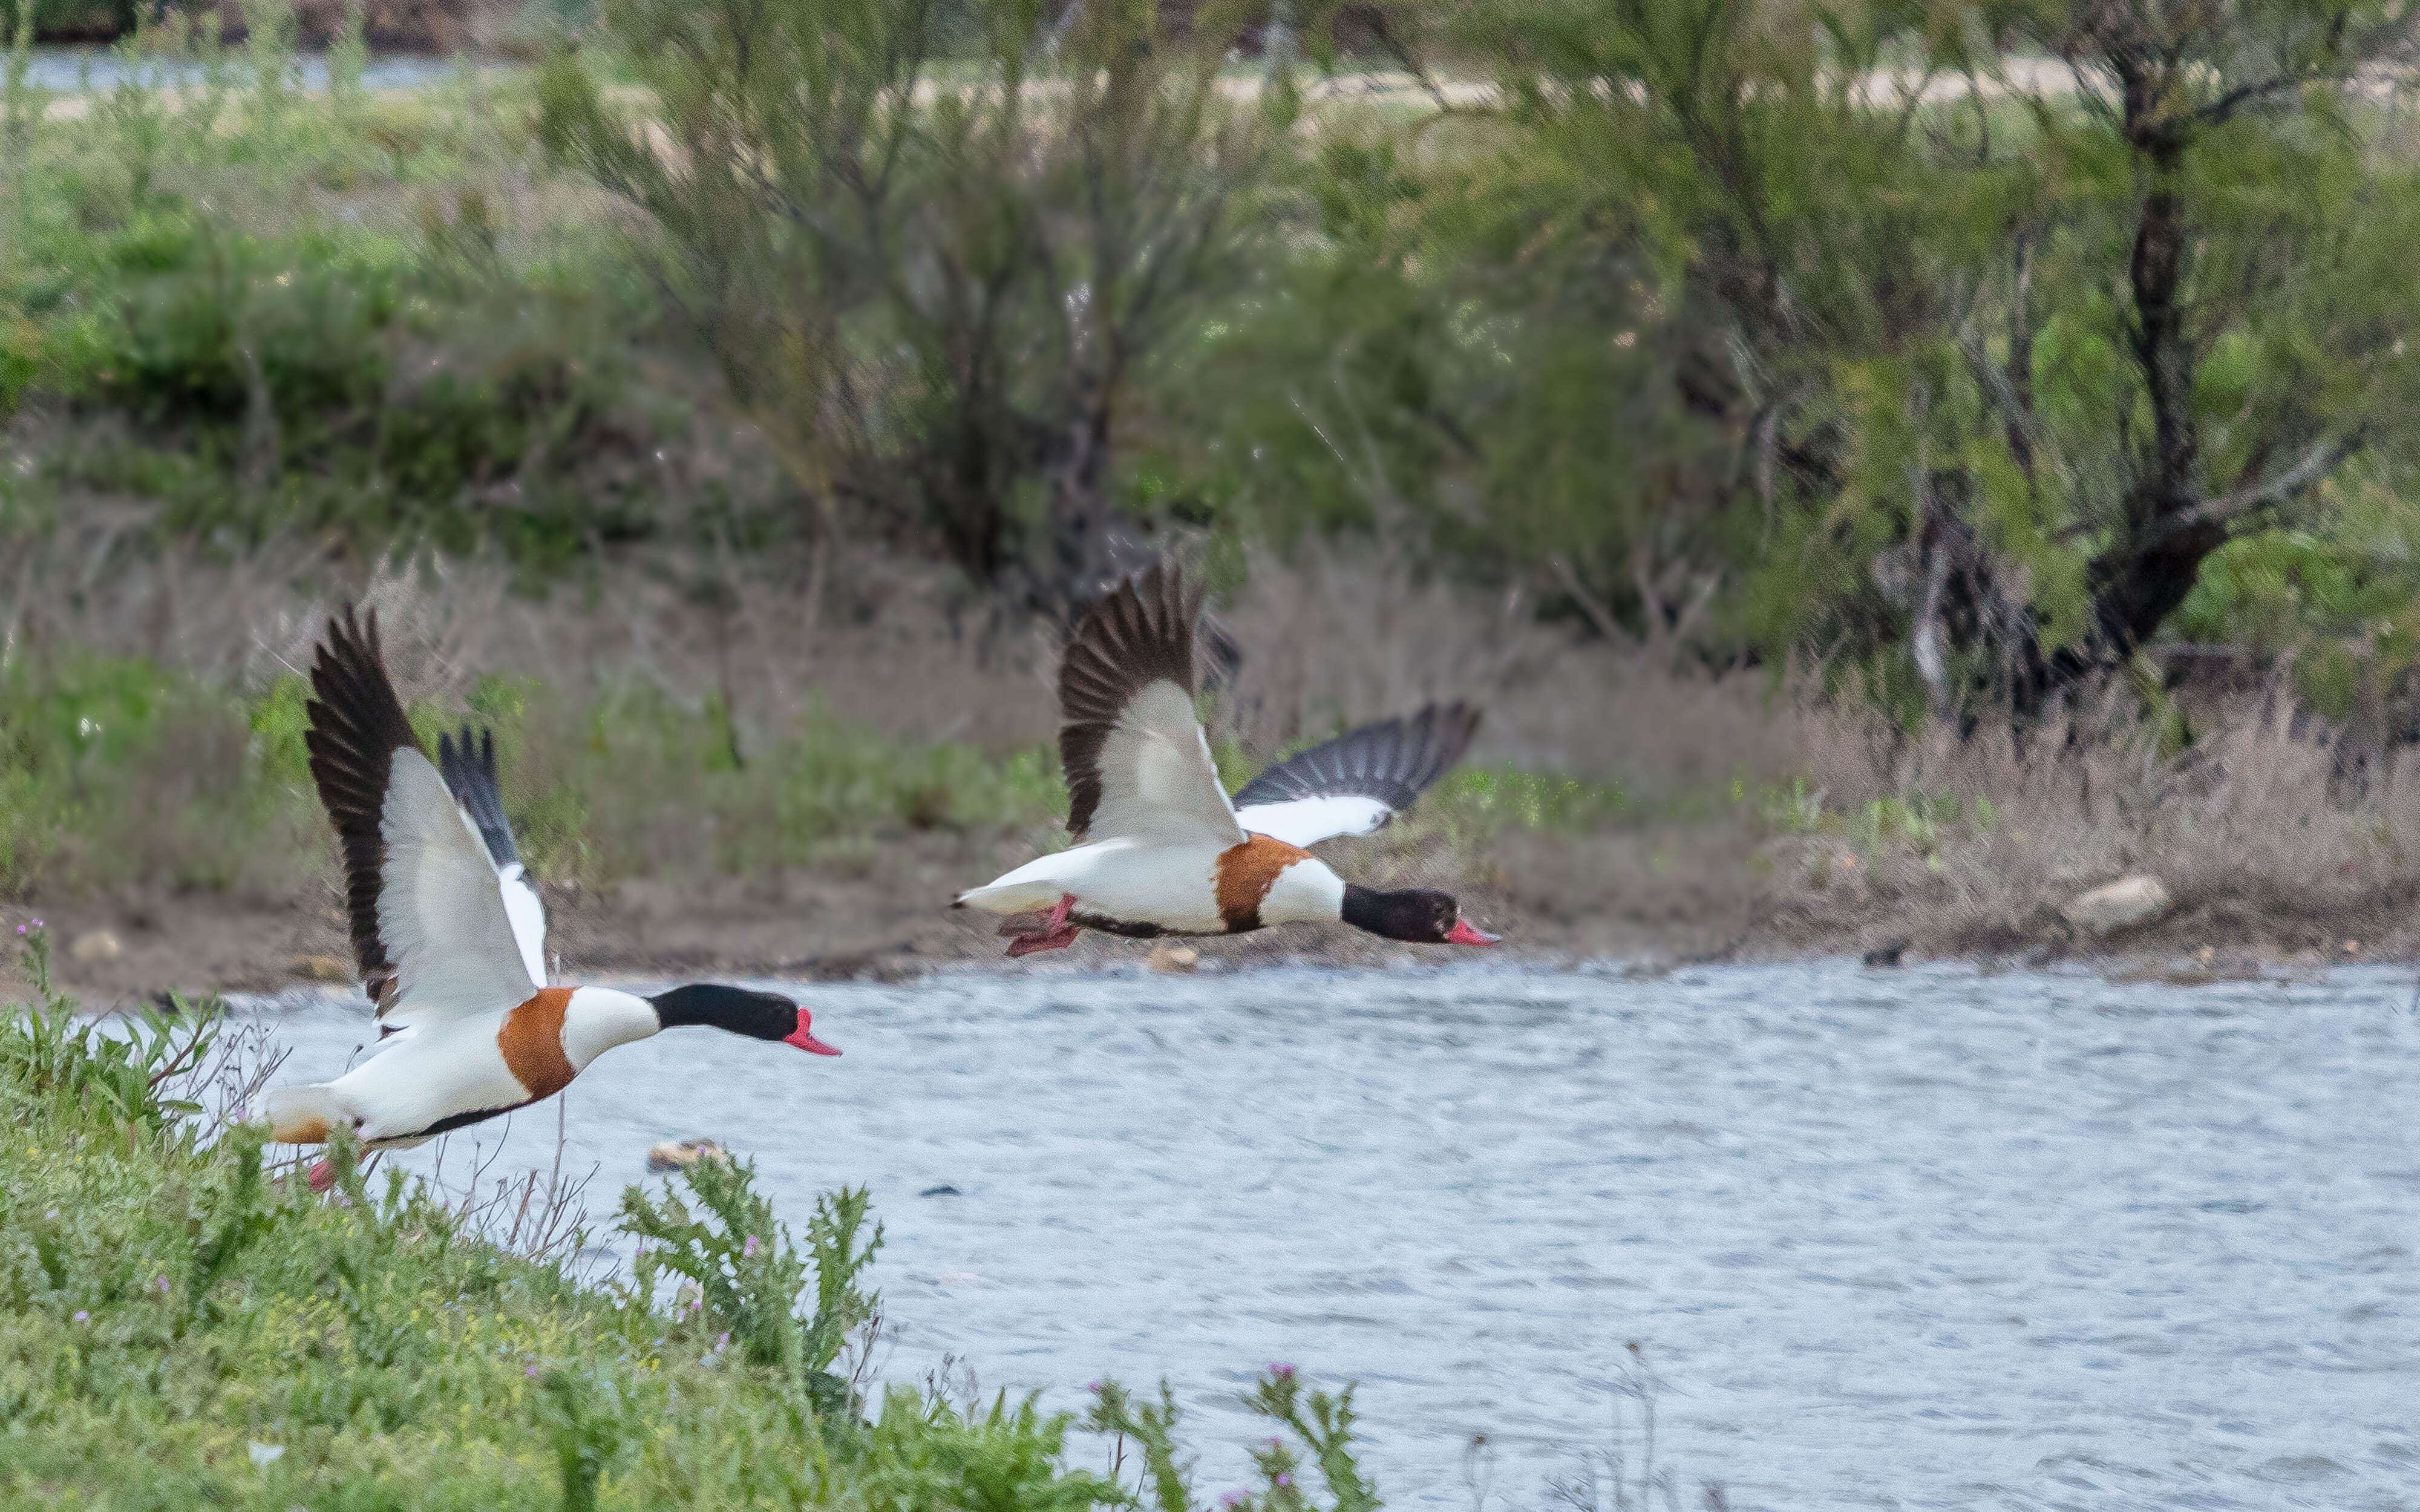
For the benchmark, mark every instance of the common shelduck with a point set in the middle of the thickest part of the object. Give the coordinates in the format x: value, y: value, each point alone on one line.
x: 450, y: 936
x: 1162, y: 849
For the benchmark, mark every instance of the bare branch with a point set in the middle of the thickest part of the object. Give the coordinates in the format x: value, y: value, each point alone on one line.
x: 1591, y: 605
x: 2317, y: 463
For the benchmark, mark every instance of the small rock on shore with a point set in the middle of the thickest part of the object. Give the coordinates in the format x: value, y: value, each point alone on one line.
x: 674, y: 1155
x: 2123, y: 904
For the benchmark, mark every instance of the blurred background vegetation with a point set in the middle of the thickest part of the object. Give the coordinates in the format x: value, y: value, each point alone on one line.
x: 1975, y: 349
x: 1952, y: 363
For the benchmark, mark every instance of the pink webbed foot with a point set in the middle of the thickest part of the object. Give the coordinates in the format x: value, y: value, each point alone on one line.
x: 1049, y: 931
x: 322, y: 1176
x: 1059, y: 939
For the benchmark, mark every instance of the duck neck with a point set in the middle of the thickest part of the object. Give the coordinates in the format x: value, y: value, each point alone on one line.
x: 1304, y: 892
x: 1363, y: 908
x: 1409, y: 915
x: 733, y: 1010
x: 597, y: 1019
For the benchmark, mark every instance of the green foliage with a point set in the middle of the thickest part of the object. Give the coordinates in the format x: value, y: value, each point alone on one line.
x: 117, y: 769
x: 1323, y: 1425
x: 1151, y: 1426
x: 750, y: 1279
x: 83, y: 19
x: 584, y: 1416
x: 936, y: 1454
x: 76, y: 1062
x: 240, y: 1219
x: 117, y: 772
x: 307, y: 314
x: 1320, y: 1423
x: 1919, y: 821
x: 1700, y: 332
x: 1500, y: 797
x: 956, y: 335
x: 182, y: 1324
x: 1730, y: 348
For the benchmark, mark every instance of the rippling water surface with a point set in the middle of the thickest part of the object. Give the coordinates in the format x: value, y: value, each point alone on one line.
x: 1928, y: 1239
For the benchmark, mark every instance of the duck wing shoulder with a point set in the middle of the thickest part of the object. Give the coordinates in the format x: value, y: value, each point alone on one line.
x: 430, y: 932
x: 1137, y: 762
x: 1354, y: 784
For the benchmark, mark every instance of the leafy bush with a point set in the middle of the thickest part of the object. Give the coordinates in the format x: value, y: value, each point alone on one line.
x: 750, y: 1279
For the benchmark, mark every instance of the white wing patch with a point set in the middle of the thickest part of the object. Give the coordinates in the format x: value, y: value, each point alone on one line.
x: 527, y: 916
x: 1309, y: 821
x: 442, y: 910
x: 1157, y: 780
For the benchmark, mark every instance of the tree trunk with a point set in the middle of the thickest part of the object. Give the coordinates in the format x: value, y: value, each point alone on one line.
x: 2147, y: 572
x: 1095, y: 547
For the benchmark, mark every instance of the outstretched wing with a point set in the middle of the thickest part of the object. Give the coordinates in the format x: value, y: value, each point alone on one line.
x: 430, y: 929
x: 1356, y: 782
x: 1137, y: 762
x: 467, y: 762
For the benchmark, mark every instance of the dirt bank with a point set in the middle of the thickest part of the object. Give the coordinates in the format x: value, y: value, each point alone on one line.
x: 886, y: 918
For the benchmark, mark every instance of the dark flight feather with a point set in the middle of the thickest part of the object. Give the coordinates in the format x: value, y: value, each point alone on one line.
x: 1394, y: 761
x: 467, y: 763
x: 1137, y: 634
x: 356, y: 726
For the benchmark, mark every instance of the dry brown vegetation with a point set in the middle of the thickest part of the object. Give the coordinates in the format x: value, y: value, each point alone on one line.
x: 1702, y: 816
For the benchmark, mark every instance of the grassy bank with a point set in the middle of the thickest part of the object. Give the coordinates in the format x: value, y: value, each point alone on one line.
x: 182, y: 1323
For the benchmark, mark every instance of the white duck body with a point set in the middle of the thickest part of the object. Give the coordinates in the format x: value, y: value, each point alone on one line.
x: 450, y: 936
x: 1176, y: 886
x: 423, y: 1081
x: 1163, y: 850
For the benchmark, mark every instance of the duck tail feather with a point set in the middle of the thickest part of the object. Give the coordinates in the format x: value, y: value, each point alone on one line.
x: 304, y: 1115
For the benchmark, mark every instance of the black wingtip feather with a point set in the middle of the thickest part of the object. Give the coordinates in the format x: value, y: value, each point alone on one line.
x: 1394, y: 761
x: 1137, y: 633
x: 356, y: 725
x: 467, y: 763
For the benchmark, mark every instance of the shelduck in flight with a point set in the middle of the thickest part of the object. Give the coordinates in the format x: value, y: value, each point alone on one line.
x: 450, y: 936
x: 1160, y: 847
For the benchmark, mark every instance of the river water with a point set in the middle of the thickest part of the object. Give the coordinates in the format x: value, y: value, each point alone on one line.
x: 1928, y: 1238
x: 98, y: 68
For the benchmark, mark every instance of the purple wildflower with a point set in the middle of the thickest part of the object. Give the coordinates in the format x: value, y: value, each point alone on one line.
x: 1232, y: 1499
x: 723, y: 1341
x: 81, y: 1317
x: 1284, y: 1479
x: 161, y: 1282
x: 1281, y: 1369
x: 748, y: 1249
x: 530, y: 1372
x: 1093, y: 1386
